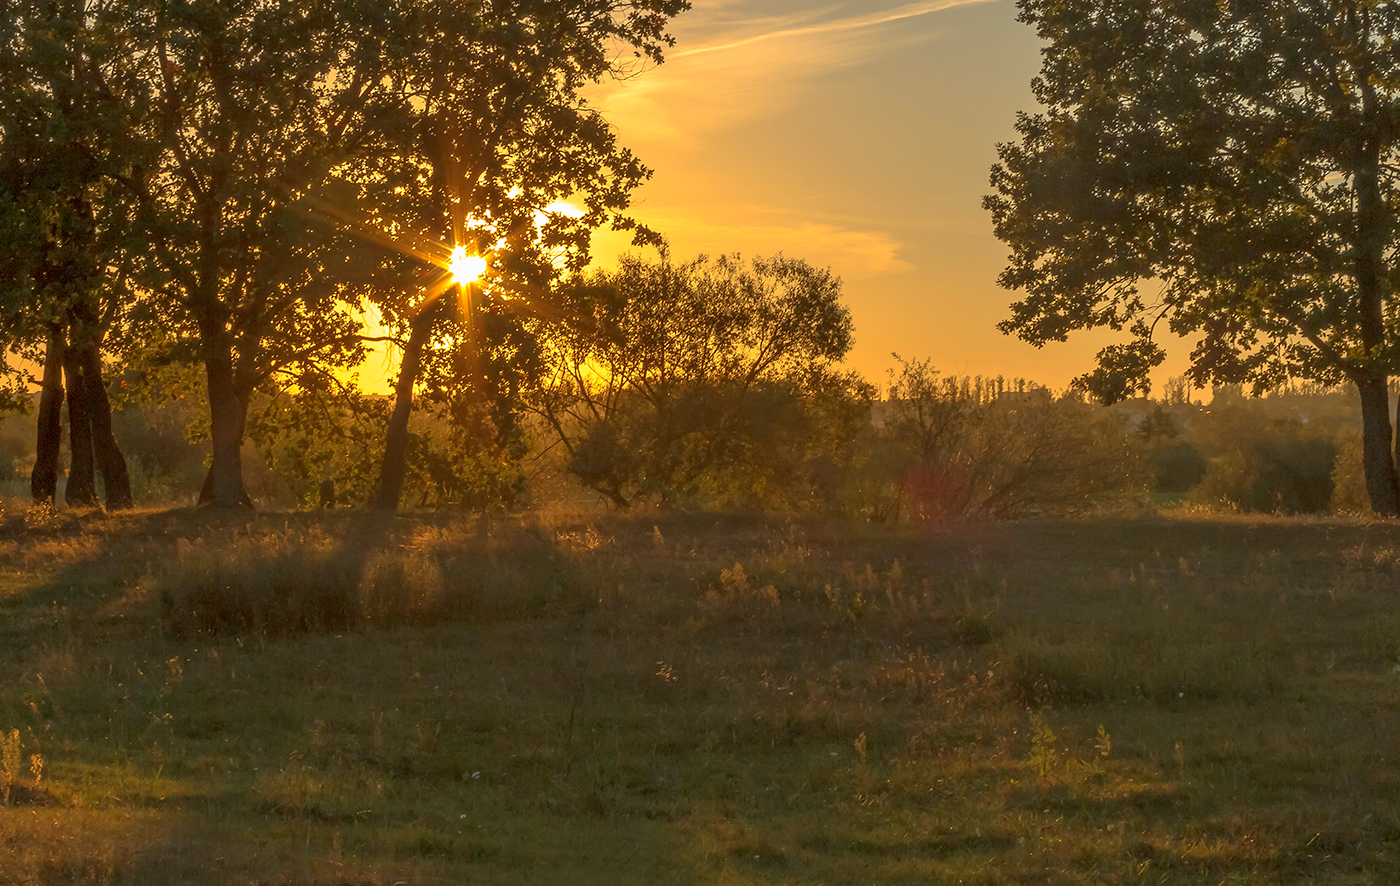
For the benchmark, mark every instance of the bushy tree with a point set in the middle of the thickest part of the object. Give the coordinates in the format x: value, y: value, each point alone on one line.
x: 255, y: 104
x: 716, y: 377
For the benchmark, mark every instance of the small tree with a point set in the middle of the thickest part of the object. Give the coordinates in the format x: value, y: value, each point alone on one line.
x: 713, y: 376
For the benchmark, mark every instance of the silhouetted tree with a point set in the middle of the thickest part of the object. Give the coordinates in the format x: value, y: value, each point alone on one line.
x: 500, y: 135
x: 255, y: 106
x: 1236, y: 161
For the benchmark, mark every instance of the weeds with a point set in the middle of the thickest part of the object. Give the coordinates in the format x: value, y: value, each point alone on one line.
x: 10, y: 753
x: 12, y: 786
x: 1045, y: 758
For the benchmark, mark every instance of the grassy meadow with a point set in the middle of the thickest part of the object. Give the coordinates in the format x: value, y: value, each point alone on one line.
x: 655, y: 698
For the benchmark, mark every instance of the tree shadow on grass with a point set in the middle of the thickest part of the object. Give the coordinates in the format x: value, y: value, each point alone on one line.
x: 93, y: 596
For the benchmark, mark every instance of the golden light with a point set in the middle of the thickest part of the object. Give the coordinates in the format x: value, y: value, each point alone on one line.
x: 465, y: 268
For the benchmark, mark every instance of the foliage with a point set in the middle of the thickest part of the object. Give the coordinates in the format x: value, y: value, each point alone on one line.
x: 1234, y: 159
x: 713, y: 379
x: 1270, y: 465
x: 1175, y: 465
x: 310, y: 435
x: 1348, y: 480
x: 970, y: 447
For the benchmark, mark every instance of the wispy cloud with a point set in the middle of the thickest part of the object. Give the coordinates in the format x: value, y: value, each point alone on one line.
x: 853, y: 23
x: 853, y: 252
x: 728, y: 68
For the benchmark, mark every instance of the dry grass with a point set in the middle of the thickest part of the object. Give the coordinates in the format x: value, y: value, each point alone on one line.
x: 576, y: 698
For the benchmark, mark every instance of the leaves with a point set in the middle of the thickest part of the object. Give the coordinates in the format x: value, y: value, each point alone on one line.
x: 713, y: 376
x: 1223, y: 152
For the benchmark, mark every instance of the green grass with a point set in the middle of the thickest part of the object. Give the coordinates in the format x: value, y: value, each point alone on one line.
x: 686, y: 699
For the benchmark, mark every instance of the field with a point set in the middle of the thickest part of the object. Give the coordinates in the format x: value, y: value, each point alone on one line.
x: 686, y: 699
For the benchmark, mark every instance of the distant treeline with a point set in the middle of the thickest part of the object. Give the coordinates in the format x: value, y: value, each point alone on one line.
x: 803, y: 438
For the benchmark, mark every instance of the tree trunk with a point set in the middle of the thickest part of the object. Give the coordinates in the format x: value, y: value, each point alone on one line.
x: 43, y: 480
x: 1376, y: 433
x: 223, y: 487
x: 395, y: 464
x: 1373, y: 221
x: 115, y: 478
x: 81, y: 490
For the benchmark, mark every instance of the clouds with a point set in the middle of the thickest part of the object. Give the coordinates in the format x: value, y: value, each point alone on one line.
x: 747, y: 63
x: 817, y: 29
x: 731, y: 65
x: 853, y: 252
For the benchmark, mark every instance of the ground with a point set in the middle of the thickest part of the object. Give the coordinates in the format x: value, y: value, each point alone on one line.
x: 692, y: 699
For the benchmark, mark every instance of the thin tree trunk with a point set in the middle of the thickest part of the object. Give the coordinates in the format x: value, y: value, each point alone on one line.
x: 85, y: 335
x: 82, y: 486
x: 395, y: 464
x: 1376, y: 433
x: 115, y: 478
x: 1373, y: 221
x: 43, y: 480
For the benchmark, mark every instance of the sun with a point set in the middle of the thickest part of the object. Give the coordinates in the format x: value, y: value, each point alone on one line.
x: 465, y: 268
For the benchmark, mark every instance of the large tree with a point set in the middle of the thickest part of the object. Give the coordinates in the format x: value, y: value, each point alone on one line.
x: 67, y: 98
x: 502, y: 135
x: 256, y: 102
x: 1227, y: 170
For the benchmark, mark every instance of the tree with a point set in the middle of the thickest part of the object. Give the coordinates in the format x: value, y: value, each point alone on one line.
x: 256, y: 104
x: 500, y: 137
x: 1227, y: 168
x: 972, y: 447
x: 65, y: 98
x: 712, y: 376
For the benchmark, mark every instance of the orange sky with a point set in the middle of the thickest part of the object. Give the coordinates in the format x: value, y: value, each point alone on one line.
x: 855, y: 135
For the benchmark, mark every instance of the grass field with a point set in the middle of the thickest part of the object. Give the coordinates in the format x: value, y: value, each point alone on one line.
x: 683, y: 699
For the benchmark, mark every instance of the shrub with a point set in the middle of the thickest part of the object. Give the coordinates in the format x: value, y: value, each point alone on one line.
x: 712, y: 380
x: 976, y: 447
x: 1272, y: 466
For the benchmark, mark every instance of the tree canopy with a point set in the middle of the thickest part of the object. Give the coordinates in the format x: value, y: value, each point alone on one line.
x: 1226, y: 170
x: 247, y: 147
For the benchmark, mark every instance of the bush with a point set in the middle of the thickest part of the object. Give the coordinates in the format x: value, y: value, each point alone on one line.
x: 965, y: 447
x: 1176, y: 466
x: 712, y: 381
x: 1279, y: 466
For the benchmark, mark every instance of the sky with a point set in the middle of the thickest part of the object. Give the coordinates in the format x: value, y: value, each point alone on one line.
x: 859, y: 136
